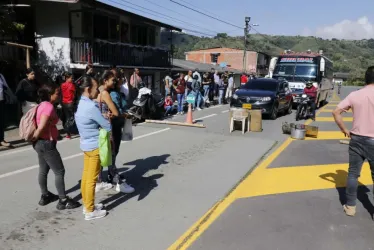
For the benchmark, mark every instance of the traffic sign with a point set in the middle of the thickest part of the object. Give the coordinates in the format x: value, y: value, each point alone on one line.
x: 191, y: 98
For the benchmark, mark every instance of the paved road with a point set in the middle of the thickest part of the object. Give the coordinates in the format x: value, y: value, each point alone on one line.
x: 291, y: 201
x: 179, y: 173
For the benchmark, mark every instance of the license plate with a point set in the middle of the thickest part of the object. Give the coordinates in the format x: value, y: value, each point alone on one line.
x: 247, y: 106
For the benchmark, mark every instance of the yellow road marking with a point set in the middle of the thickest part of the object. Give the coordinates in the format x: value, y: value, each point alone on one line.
x: 253, y: 181
x: 331, y: 119
x: 327, y: 135
x: 330, y: 111
x: 301, y: 178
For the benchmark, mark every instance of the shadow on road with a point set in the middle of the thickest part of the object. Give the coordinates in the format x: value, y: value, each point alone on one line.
x: 143, y: 184
x: 339, y: 179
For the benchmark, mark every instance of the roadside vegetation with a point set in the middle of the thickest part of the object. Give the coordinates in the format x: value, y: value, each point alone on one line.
x: 349, y: 56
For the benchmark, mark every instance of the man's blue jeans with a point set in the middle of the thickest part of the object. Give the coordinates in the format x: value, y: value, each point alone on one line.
x: 206, y: 92
x: 197, y: 99
x: 361, y: 148
x: 180, y: 98
x: 220, y: 97
x: 168, y: 110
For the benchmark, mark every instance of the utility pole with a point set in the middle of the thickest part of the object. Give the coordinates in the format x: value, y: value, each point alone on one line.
x: 247, y: 20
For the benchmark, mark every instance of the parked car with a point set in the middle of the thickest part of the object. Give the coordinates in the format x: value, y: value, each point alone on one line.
x: 271, y: 96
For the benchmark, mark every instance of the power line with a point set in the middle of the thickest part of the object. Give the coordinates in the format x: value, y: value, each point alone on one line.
x: 181, y: 14
x: 220, y: 20
x: 198, y: 7
x: 155, y: 13
x: 164, y: 17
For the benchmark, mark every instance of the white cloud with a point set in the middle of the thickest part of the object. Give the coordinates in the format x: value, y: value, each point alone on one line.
x: 362, y: 28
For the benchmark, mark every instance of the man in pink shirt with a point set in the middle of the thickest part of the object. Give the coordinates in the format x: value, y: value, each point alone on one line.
x: 361, y: 146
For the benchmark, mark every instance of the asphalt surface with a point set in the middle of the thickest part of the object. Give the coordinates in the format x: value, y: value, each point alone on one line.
x: 292, y: 200
x: 179, y: 173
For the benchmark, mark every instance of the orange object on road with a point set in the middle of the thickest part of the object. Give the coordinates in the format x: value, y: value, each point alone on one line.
x: 189, y: 119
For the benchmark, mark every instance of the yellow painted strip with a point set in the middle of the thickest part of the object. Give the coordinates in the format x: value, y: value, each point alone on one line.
x: 260, y: 172
x: 330, y: 111
x: 331, y: 105
x: 208, y: 218
x: 328, y: 135
x: 201, y: 225
x: 331, y: 119
x: 265, y: 163
x: 302, y: 178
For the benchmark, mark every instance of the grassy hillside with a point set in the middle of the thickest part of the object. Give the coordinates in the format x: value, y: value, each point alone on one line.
x: 349, y: 56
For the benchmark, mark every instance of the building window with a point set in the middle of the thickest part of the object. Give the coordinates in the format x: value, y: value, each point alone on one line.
x: 214, y: 57
x: 113, y: 29
x: 101, y: 24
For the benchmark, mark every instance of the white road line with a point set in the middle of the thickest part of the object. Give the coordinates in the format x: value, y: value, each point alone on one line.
x: 76, y: 155
x: 27, y: 148
x: 225, y: 111
x: 204, y: 117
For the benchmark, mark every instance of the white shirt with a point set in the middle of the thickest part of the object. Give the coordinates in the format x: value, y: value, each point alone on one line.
x: 231, y: 82
x: 198, y: 75
x: 188, y: 78
x: 125, y: 89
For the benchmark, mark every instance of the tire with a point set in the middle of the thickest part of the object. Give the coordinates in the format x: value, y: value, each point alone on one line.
x: 297, y: 117
x: 289, y: 110
x: 274, y: 112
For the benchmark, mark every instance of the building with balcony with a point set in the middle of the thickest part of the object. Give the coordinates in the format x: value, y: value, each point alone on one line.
x: 69, y: 34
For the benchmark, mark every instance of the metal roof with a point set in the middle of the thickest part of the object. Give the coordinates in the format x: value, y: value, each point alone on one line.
x: 179, y: 64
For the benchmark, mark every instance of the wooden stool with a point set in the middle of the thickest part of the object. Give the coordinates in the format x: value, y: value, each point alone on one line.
x: 239, y: 115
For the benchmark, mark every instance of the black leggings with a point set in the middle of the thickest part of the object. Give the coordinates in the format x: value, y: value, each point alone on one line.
x: 68, y: 112
x: 113, y: 175
x: 50, y: 158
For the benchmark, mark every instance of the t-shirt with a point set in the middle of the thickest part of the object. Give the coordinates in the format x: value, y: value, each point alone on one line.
x: 50, y: 132
x: 312, y: 92
x: 362, y: 104
x: 27, y: 91
x: 168, y: 80
x: 231, y: 82
x: 68, y: 92
x: 243, y: 79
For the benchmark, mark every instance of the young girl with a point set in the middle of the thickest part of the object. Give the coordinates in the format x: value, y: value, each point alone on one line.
x: 168, y: 105
x: 68, y: 92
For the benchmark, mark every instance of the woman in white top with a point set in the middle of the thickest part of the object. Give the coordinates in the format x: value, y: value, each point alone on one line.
x: 188, y: 79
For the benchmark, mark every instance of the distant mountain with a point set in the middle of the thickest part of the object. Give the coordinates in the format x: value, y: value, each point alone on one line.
x: 348, y: 56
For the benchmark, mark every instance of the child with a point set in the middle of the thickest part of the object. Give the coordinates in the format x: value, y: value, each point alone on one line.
x: 168, y: 105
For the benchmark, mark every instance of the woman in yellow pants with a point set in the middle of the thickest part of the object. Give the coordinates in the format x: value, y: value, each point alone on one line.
x: 89, y: 119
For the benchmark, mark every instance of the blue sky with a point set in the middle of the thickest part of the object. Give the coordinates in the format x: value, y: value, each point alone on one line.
x: 287, y: 17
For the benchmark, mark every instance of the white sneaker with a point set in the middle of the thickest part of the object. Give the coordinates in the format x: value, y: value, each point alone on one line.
x: 125, y: 188
x: 103, y: 186
x: 96, y: 214
x: 198, y: 109
x: 98, y: 206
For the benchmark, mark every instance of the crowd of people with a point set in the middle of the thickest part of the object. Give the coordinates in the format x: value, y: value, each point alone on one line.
x: 88, y: 104
x: 205, y: 89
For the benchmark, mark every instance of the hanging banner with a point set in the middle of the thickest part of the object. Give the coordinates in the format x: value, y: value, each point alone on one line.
x: 61, y: 1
